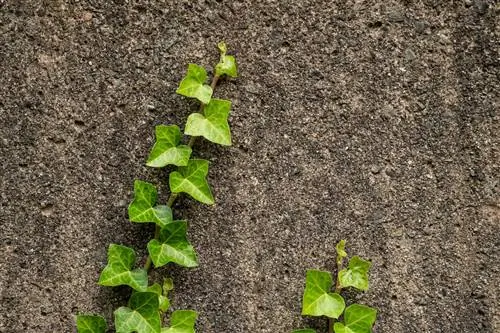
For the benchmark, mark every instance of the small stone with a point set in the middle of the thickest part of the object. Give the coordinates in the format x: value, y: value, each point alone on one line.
x: 410, y: 55
x: 396, y: 16
x: 375, y: 169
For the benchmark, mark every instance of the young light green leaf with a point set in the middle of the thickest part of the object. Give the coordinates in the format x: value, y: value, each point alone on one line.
x: 182, y: 321
x: 167, y: 149
x: 317, y: 300
x: 356, y: 275
x: 212, y: 125
x: 191, y: 179
x: 357, y: 319
x: 193, y: 84
x: 163, y: 301
x: 90, y: 324
x: 168, y: 285
x: 305, y: 330
x: 141, y: 316
x: 118, y: 270
x: 341, y: 254
x: 173, y: 246
x: 142, y: 208
x: 227, y: 64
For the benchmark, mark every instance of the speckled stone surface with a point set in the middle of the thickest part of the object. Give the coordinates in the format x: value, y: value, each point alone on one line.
x: 373, y: 121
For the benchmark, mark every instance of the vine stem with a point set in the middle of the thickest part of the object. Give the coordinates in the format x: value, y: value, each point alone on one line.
x: 338, y: 288
x: 173, y: 196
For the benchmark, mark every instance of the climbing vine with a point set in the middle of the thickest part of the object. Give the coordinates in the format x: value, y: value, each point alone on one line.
x: 149, y: 302
x: 319, y: 300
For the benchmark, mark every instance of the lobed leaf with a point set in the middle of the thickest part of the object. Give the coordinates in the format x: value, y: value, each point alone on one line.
x: 143, y: 209
x: 173, y: 246
x: 357, y: 319
x: 193, y: 84
x: 356, y: 275
x: 118, y: 270
x: 227, y: 64
x: 90, y: 324
x: 141, y: 316
x: 305, y: 330
x: 167, y: 150
x: 317, y: 300
x: 181, y: 321
x: 212, y: 125
x: 191, y: 179
x: 163, y: 301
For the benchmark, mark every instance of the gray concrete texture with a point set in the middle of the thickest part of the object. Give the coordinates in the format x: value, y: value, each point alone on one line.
x: 373, y: 121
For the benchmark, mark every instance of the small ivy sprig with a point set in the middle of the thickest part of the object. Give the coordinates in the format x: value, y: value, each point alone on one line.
x: 318, y: 300
x: 148, y: 303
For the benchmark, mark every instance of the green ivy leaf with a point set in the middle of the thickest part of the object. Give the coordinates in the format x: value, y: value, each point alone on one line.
x: 142, y: 208
x: 212, y: 125
x: 357, y: 319
x: 141, y: 316
x: 193, y: 84
x: 168, y: 285
x: 317, y: 300
x: 182, y: 321
x: 173, y: 246
x: 305, y: 330
x: 163, y: 301
x: 90, y: 324
x: 191, y: 179
x: 118, y: 270
x: 341, y: 253
x: 356, y: 275
x: 167, y: 149
x: 227, y: 64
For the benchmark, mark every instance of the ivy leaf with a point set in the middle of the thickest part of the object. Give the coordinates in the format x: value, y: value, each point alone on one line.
x: 227, y: 64
x: 163, y: 301
x: 168, y: 285
x: 182, y: 321
x: 118, y: 270
x: 357, y: 319
x: 142, y: 208
x: 173, y: 246
x: 317, y: 300
x: 212, y: 125
x: 141, y: 316
x: 356, y: 275
x: 305, y: 330
x: 341, y: 254
x: 193, y: 84
x: 167, y: 149
x: 191, y: 180
x: 90, y: 324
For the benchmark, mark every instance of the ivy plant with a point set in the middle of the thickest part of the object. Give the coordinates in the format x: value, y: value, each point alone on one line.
x: 321, y: 298
x: 149, y: 301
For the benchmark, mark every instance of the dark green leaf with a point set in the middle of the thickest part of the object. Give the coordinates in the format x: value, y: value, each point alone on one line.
x: 227, y: 64
x: 193, y: 84
x: 318, y: 300
x: 173, y: 246
x: 212, y: 125
x: 167, y: 149
x: 90, y: 324
x: 356, y: 275
x: 182, y: 321
x: 142, y: 209
x: 118, y: 270
x: 141, y: 316
x: 163, y: 301
x: 357, y: 319
x: 191, y: 179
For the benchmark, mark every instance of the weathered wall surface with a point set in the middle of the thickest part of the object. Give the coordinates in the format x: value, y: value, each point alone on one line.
x: 374, y: 121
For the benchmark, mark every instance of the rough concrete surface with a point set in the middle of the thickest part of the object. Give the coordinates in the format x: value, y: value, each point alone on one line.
x: 373, y: 121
